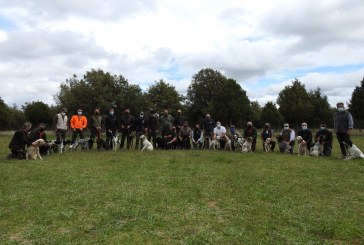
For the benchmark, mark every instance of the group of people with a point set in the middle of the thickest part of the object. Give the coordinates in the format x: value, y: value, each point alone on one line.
x: 167, y: 132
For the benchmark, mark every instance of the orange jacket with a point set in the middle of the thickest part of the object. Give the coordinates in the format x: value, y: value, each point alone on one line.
x: 78, y: 122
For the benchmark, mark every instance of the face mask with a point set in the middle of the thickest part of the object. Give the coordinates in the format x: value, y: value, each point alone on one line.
x: 323, y: 128
x: 286, y: 127
x: 79, y: 113
x: 218, y: 125
x: 41, y: 130
x: 97, y: 113
x: 111, y: 113
x: 141, y: 116
x: 340, y: 109
x: 304, y: 127
x: 62, y: 113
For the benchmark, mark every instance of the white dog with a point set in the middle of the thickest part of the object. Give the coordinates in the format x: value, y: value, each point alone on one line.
x: 212, y: 144
x: 316, y: 150
x: 353, y: 152
x: 114, y: 141
x: 267, y: 145
x: 146, y: 143
x: 84, y: 143
x: 247, y: 146
x: 33, y: 150
x: 302, y: 147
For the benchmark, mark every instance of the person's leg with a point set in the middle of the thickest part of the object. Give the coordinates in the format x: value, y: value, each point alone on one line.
x: 341, y: 138
x: 272, y: 145
x: 74, y: 136
x: 327, y: 150
x: 137, y: 139
x: 81, y: 133
x: 123, y: 136
x: 254, y: 145
x: 92, y: 137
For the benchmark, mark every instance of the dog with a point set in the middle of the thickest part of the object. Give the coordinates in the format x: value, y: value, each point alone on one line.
x: 353, y: 152
x: 238, y: 142
x: 33, y: 150
x: 283, y: 146
x: 58, y: 146
x: 302, y: 147
x: 316, y: 150
x: 228, y: 145
x: 247, y: 146
x: 84, y: 143
x: 214, y: 143
x: 114, y: 141
x: 267, y: 147
x: 146, y: 144
x: 102, y: 144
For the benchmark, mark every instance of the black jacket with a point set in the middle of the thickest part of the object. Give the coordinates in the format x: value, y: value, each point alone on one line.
x: 19, y: 140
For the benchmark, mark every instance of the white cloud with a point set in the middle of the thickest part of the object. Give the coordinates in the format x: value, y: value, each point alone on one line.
x: 45, y: 42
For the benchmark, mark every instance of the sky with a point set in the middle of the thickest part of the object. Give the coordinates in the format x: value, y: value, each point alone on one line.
x: 263, y: 45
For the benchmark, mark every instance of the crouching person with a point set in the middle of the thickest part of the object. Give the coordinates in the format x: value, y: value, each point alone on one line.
x: 170, y: 139
x: 18, y: 142
x: 185, y: 136
x: 39, y: 133
x: 197, y: 137
x: 324, y: 137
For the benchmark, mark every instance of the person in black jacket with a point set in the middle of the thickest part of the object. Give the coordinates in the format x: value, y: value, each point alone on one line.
x: 153, y: 126
x: 39, y: 133
x: 126, y: 127
x: 18, y: 142
x: 306, y: 135
x: 178, y: 123
x: 111, y: 126
x: 267, y: 133
x: 324, y: 137
x: 141, y: 125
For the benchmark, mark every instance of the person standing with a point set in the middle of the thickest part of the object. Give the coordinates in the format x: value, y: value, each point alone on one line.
x: 96, y: 123
x: 153, y: 125
x: 141, y: 125
x: 78, y: 125
x: 127, y: 123
x: 178, y: 123
x: 207, y: 126
x: 166, y: 123
x: 61, y: 124
x: 343, y: 124
x: 251, y: 131
x: 111, y: 126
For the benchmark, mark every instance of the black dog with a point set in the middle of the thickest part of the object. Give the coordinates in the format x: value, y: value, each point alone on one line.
x: 101, y: 144
x: 160, y: 143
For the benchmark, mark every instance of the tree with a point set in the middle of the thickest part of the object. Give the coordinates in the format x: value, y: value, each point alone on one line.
x: 271, y: 115
x: 230, y: 104
x: 321, y: 109
x: 17, y: 117
x: 100, y: 89
x: 256, y: 114
x: 164, y: 96
x: 201, y: 92
x: 38, y: 112
x: 4, y: 115
x: 356, y: 105
x: 294, y: 104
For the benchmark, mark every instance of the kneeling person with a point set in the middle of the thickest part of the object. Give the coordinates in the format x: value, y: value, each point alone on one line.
x: 185, y: 136
x: 324, y: 137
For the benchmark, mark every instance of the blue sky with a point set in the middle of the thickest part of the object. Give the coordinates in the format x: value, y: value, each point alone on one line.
x: 262, y: 45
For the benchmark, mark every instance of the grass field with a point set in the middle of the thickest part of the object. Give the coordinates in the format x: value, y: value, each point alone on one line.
x: 181, y: 197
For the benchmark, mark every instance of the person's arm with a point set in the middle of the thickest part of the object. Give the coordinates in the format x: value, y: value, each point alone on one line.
x: 84, y: 122
x: 350, y: 123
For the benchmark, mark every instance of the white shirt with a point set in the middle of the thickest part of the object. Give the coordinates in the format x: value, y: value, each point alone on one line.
x: 219, y: 131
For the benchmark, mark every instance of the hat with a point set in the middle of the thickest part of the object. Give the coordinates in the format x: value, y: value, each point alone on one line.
x: 64, y: 109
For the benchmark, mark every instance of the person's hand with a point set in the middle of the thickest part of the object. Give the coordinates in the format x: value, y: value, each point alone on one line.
x: 349, y: 131
x: 81, y: 129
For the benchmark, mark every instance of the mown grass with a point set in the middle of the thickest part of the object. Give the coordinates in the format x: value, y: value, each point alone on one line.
x: 181, y: 197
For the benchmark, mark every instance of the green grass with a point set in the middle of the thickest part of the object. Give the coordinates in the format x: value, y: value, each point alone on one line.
x: 181, y: 197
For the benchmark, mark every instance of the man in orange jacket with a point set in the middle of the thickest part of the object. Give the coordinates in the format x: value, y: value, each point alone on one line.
x: 78, y: 124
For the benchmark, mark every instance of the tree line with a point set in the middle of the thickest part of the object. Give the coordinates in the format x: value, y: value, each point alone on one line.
x: 209, y: 92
